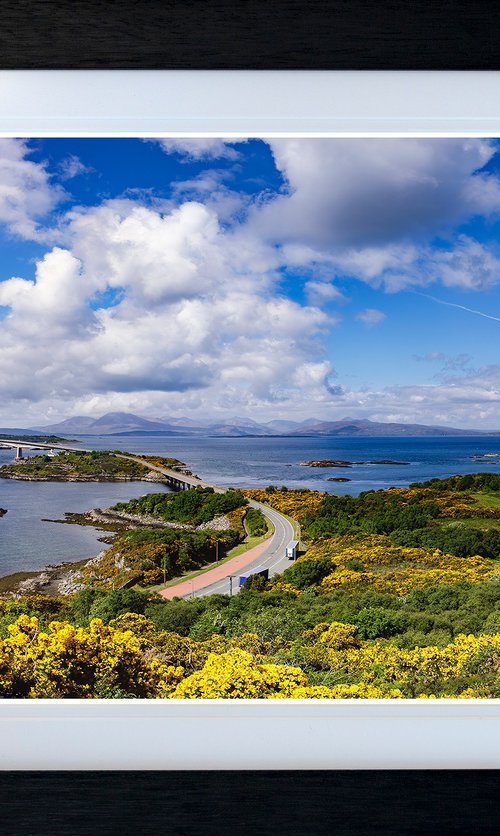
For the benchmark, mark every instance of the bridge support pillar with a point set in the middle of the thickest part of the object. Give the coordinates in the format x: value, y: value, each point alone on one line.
x: 19, y: 453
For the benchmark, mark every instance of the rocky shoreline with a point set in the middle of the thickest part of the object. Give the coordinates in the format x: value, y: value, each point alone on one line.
x: 61, y: 579
x: 22, y: 477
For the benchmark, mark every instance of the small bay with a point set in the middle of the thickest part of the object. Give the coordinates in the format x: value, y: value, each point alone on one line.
x: 28, y: 542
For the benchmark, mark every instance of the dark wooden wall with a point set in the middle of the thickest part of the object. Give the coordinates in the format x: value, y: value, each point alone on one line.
x: 262, y: 35
x: 250, y: 34
x: 249, y: 803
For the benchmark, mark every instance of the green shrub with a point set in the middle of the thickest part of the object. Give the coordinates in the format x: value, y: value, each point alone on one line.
x: 375, y: 622
x: 255, y: 522
x: 308, y: 572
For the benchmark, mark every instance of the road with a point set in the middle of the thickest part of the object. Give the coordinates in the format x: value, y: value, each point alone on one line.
x: 269, y: 555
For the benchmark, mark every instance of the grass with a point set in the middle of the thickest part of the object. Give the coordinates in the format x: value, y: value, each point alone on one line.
x: 473, y: 522
x: 487, y: 500
x: 9, y: 583
x: 98, y: 465
x: 252, y: 541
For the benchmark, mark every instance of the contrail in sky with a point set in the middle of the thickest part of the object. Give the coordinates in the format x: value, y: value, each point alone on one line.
x: 454, y: 305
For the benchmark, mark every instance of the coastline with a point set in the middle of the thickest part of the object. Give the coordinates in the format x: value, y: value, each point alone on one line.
x: 63, y: 578
x: 153, y: 477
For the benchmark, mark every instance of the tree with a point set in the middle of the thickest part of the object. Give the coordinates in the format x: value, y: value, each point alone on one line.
x: 117, y: 602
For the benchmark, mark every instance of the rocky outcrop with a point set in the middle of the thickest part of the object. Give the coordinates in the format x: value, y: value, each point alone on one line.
x: 345, y: 463
x: 220, y: 523
x: 110, y: 517
x: 328, y: 463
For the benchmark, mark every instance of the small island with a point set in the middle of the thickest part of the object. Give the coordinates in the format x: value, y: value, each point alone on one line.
x: 386, y: 461
x: 95, y: 466
x: 3, y: 511
x: 329, y: 463
x: 346, y: 463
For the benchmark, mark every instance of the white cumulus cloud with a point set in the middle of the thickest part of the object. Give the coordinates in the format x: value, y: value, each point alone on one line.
x: 202, y: 148
x: 26, y: 192
x: 346, y: 193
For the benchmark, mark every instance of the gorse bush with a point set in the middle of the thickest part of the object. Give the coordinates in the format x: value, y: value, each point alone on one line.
x: 130, y: 658
x: 152, y: 555
x: 299, y: 504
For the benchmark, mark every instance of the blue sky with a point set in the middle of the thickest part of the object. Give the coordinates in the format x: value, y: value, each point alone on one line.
x: 275, y: 278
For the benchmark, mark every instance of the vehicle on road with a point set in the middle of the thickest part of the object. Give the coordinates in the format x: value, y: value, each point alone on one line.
x: 291, y: 549
x: 259, y: 570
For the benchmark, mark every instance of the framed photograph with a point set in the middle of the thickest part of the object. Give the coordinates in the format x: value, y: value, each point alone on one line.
x: 272, y: 297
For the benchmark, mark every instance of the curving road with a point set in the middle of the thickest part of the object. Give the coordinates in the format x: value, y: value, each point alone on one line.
x: 269, y: 555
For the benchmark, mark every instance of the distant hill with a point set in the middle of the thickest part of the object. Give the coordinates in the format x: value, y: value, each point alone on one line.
x: 364, y: 427
x: 126, y: 423
x: 112, y: 423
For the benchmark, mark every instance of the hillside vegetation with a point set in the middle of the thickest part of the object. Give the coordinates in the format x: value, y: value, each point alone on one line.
x: 397, y: 596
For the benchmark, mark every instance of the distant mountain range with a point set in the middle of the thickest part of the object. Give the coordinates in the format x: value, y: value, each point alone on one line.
x: 126, y: 423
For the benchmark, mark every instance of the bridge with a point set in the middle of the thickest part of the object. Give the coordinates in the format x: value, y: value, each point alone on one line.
x: 24, y: 444
x: 176, y: 479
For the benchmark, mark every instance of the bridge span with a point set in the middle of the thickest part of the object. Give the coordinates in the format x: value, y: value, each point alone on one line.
x: 176, y: 479
x: 24, y: 444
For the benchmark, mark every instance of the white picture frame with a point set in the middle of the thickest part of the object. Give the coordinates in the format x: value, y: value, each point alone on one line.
x: 249, y: 734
